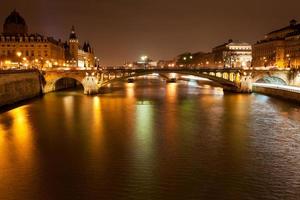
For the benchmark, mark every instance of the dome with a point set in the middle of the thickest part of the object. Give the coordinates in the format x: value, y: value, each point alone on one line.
x: 14, y: 24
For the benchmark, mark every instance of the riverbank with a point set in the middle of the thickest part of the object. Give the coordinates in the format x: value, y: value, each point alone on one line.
x: 19, y: 85
x: 284, y: 92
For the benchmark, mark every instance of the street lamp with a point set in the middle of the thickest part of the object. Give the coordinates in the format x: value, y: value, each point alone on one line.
x: 265, y: 61
x: 19, y: 54
x: 289, y: 59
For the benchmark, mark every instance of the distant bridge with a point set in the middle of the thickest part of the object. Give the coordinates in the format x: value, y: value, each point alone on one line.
x: 238, y: 80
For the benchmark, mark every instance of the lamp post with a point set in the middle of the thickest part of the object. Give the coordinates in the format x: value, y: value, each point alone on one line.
x: 265, y: 61
x: 25, y: 62
x: 19, y: 54
x: 289, y: 60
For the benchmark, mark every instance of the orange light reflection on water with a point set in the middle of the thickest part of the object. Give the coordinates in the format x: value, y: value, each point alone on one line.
x: 15, y: 142
x: 97, y: 122
x: 171, y: 92
x: 130, y: 90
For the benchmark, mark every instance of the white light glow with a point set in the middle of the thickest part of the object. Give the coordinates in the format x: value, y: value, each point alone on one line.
x: 195, y: 78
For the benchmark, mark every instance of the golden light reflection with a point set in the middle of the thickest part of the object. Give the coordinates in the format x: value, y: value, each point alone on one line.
x: 172, y: 92
x: 68, y: 103
x: 97, y: 123
x: 17, y: 141
x: 130, y: 93
x: 236, y: 133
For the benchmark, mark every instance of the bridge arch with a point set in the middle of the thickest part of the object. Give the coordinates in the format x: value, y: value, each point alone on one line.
x: 225, y: 80
x: 61, y: 82
x: 272, y: 77
x: 271, y: 80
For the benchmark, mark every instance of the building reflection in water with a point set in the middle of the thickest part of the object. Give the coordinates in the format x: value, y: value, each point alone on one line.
x: 18, y: 138
x: 16, y: 148
x: 130, y: 90
x: 68, y: 106
x: 172, y: 92
x: 97, y: 123
x: 162, y: 141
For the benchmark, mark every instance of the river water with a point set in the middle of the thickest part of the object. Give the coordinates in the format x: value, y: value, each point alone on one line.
x: 151, y: 140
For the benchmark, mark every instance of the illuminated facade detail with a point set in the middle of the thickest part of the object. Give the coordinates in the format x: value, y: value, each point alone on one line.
x: 233, y: 55
x: 83, y: 57
x: 279, y: 48
x: 18, y: 48
x: 228, y: 55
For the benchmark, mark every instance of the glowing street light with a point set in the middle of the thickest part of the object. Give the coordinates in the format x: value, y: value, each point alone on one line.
x: 144, y: 58
x: 19, y: 54
x: 7, y: 63
x: 289, y: 59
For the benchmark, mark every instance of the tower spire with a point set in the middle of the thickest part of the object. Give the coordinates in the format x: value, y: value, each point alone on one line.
x: 73, y: 33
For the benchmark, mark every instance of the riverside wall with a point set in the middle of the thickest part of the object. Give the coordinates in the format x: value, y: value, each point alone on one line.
x: 284, y: 94
x: 19, y: 85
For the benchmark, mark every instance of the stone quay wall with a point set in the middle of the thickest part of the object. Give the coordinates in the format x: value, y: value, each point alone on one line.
x: 284, y: 94
x: 19, y: 85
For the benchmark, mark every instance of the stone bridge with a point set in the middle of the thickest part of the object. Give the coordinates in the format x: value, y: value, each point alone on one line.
x: 237, y: 80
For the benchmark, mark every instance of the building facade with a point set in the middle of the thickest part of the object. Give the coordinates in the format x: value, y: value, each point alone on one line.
x: 228, y: 55
x: 233, y: 55
x: 77, y: 55
x: 279, y: 48
x: 20, y: 49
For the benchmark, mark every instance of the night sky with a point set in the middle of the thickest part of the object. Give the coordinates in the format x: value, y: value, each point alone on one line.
x: 123, y: 30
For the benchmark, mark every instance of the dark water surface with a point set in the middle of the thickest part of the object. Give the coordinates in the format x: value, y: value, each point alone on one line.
x: 149, y: 140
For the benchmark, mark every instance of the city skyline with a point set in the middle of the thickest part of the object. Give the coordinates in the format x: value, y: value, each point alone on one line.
x: 143, y: 99
x: 122, y: 31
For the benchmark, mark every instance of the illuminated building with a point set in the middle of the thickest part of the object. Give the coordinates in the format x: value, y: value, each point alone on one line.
x: 76, y: 55
x: 184, y: 60
x: 232, y: 55
x: 279, y: 48
x: 18, y: 48
x: 166, y: 64
x: 229, y: 55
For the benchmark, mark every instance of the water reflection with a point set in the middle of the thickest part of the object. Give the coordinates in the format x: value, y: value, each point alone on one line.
x: 16, y: 133
x: 171, y: 92
x: 151, y: 140
x: 17, y: 157
x: 96, y: 123
x: 130, y: 90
